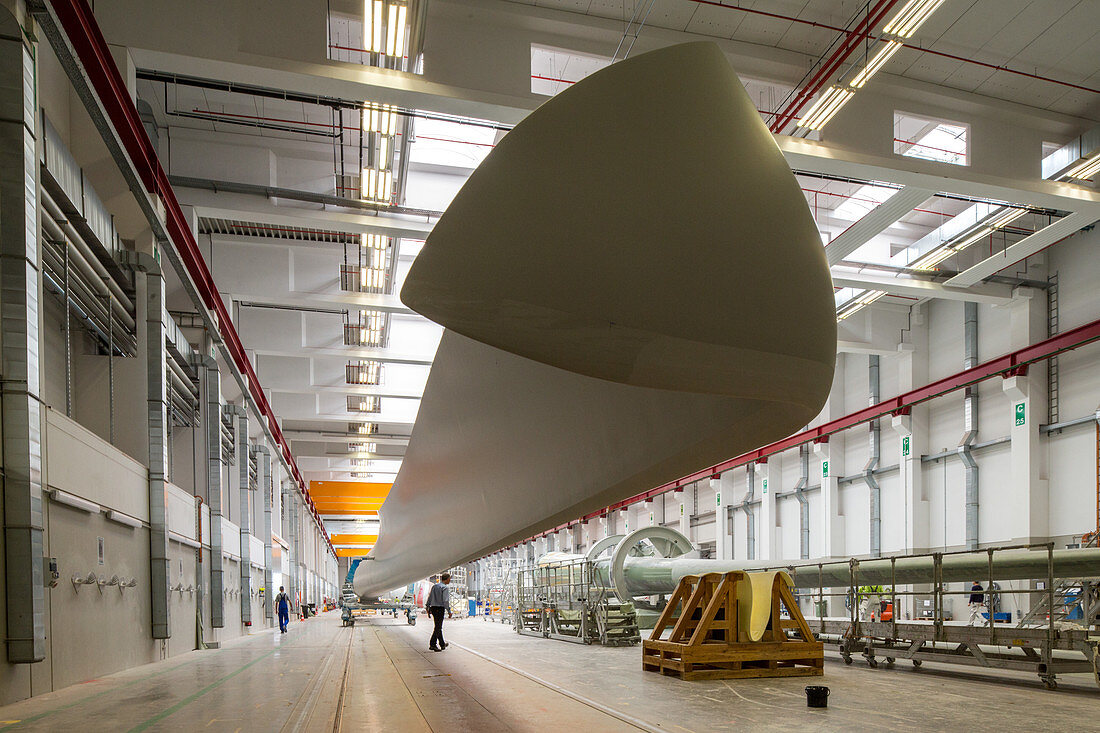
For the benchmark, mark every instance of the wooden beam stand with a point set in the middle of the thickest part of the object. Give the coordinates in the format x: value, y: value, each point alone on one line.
x: 706, y: 641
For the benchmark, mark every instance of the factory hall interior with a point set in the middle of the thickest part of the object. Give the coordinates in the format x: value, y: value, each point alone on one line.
x: 531, y: 365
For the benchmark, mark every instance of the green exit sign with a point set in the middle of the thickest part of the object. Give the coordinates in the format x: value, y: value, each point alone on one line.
x: 824, y: 469
x: 765, y: 486
x: 1020, y: 414
x: 905, y: 445
x: 717, y: 498
x: 681, y: 510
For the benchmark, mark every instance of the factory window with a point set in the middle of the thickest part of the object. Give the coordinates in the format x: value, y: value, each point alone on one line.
x: 553, y: 69
x: 931, y: 139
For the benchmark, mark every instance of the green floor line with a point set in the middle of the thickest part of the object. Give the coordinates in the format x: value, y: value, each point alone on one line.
x: 81, y: 701
x: 195, y: 696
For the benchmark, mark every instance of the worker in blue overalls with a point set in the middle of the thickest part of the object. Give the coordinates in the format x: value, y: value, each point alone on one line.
x: 282, y: 605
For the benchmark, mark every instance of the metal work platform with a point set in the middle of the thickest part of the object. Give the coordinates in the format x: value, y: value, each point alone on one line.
x: 565, y: 601
x: 1002, y: 647
x: 1047, y: 641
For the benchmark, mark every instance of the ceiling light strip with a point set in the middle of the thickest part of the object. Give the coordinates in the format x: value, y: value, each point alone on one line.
x: 826, y: 106
x: 903, y: 25
x: 1086, y: 169
x: 876, y: 63
x: 911, y: 16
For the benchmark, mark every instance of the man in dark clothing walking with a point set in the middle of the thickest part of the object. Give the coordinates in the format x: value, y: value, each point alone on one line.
x: 439, y: 600
x: 977, y: 604
x: 282, y: 605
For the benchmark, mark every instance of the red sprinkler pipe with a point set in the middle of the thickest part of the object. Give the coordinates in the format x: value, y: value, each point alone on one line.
x: 918, y: 49
x: 825, y: 72
x: 1011, y: 364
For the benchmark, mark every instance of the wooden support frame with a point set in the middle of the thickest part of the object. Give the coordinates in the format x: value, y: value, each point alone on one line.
x: 707, y: 640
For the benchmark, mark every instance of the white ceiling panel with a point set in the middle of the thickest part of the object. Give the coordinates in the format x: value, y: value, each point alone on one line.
x: 1060, y: 42
x: 711, y: 21
x: 761, y: 29
x: 575, y: 6
x: 979, y: 25
x: 969, y: 77
x: 1033, y: 21
x: 672, y: 13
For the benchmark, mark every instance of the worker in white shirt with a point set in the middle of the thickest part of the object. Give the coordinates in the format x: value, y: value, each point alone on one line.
x: 439, y: 600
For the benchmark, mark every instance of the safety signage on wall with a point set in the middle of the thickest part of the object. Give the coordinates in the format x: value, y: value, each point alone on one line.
x: 717, y: 498
x: 904, y: 446
x: 824, y: 469
x: 681, y: 510
x: 765, y: 486
x: 1020, y: 413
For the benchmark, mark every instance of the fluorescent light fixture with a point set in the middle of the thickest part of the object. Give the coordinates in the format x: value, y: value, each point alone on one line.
x: 1086, y: 169
x: 64, y: 497
x: 187, y: 541
x: 1004, y: 217
x: 391, y: 32
x: 376, y: 185
x: 827, y: 105
x: 364, y: 372
x: 402, y: 20
x: 364, y: 403
x: 372, y: 25
x: 363, y: 428
x: 911, y: 16
x: 380, y: 118
x: 858, y: 303
x: 125, y: 519
x: 875, y: 63
x: 933, y: 258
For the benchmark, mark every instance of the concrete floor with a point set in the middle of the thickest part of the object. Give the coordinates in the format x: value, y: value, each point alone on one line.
x: 379, y: 676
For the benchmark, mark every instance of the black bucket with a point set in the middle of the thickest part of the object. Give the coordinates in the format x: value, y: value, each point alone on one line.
x: 817, y: 696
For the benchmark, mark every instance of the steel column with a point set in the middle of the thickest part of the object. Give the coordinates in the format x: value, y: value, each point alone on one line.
x: 157, y: 399
x: 746, y: 504
x: 245, y: 516
x: 295, y: 547
x: 265, y: 485
x: 213, y: 426
x: 803, y: 502
x: 20, y: 403
x: 970, y: 426
x: 875, y: 439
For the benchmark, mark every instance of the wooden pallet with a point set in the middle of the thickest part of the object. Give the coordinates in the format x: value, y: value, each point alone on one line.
x: 708, y: 642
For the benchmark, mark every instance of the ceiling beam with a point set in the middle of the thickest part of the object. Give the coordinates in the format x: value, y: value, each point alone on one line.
x: 353, y: 389
x: 862, y: 347
x: 1026, y: 247
x: 875, y: 222
x: 351, y: 352
x: 820, y: 157
x: 256, y: 209
x: 988, y: 293
x: 363, y: 417
x: 341, y: 81
x: 299, y: 435
x: 345, y: 301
